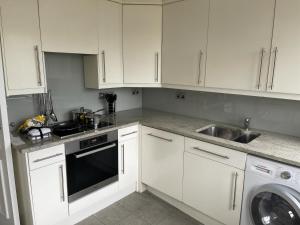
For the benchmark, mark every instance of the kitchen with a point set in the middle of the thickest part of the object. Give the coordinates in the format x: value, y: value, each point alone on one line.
x: 149, y: 112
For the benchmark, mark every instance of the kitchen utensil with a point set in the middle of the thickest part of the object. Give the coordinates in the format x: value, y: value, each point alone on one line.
x: 52, y: 114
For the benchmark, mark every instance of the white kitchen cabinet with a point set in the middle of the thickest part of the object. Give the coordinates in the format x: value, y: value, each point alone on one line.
x: 213, y: 180
x: 185, y: 26
x: 128, y: 157
x: 49, y: 194
x: 239, y: 40
x: 284, y: 75
x: 42, y: 186
x: 162, y: 161
x: 21, y: 46
x: 106, y: 69
x: 142, y: 34
x: 69, y: 26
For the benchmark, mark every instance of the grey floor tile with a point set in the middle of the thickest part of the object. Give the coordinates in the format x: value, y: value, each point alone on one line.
x: 90, y: 221
x: 134, y: 220
x: 140, y: 209
x: 112, y: 215
x: 134, y: 202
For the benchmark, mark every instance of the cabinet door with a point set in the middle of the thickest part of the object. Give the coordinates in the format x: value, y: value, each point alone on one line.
x: 128, y: 163
x: 162, y: 161
x: 49, y: 194
x: 142, y: 31
x: 110, y: 42
x: 21, y: 45
x: 185, y: 26
x: 69, y: 26
x: 213, y: 188
x: 284, y: 73
x: 239, y: 30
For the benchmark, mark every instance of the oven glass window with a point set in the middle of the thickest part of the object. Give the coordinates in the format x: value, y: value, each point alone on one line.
x: 271, y: 209
x: 91, y: 167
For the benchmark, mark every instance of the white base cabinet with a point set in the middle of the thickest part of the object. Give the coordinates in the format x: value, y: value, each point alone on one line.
x: 211, y: 183
x: 128, y: 157
x: 42, y: 186
x: 162, y: 161
x: 49, y: 194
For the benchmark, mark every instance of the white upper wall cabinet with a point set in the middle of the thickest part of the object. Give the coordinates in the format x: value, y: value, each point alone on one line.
x: 284, y: 75
x: 21, y: 46
x: 69, y: 26
x: 142, y: 31
x: 110, y: 42
x: 185, y: 26
x: 239, y: 40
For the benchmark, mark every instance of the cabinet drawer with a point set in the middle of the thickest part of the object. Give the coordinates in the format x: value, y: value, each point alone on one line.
x: 46, y: 157
x: 220, y: 154
x: 128, y: 133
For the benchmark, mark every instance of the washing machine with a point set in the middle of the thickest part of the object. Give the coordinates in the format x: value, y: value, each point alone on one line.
x: 271, y: 193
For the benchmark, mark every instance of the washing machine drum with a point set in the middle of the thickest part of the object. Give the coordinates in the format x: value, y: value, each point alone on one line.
x: 275, y: 204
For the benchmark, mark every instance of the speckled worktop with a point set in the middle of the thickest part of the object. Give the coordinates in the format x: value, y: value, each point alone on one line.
x: 270, y: 145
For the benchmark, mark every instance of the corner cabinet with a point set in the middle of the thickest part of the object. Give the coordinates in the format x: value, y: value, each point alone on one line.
x: 106, y: 69
x: 21, y: 47
x: 69, y: 26
x: 128, y: 157
x: 185, y: 26
x: 142, y: 37
x: 162, y: 161
x: 213, y: 180
x: 42, y: 186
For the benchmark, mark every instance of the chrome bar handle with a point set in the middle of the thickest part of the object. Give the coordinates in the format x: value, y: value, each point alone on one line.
x: 133, y: 132
x: 260, y: 67
x: 123, y: 158
x: 234, y: 190
x: 94, y: 151
x: 37, y: 55
x: 48, y: 157
x: 103, y: 66
x: 200, y: 67
x: 62, y: 185
x: 211, y: 153
x: 165, y: 139
x: 274, y: 67
x: 156, y: 66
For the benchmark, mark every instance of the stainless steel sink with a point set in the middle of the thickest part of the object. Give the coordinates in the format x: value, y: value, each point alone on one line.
x: 229, y: 133
x: 247, y: 137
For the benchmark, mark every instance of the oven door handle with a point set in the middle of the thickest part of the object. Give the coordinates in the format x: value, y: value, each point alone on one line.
x: 95, y: 151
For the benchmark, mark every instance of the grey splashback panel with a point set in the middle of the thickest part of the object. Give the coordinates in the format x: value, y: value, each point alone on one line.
x: 282, y: 116
x: 66, y: 80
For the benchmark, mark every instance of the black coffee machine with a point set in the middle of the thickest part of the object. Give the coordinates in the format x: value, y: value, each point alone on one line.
x: 111, y: 99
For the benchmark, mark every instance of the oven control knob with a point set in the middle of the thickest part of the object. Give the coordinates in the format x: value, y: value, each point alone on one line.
x: 286, y: 175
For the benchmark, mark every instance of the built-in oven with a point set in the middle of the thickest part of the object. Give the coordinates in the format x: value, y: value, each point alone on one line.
x: 92, y: 163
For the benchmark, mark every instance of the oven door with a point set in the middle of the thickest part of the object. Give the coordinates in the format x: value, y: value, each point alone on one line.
x: 91, y: 169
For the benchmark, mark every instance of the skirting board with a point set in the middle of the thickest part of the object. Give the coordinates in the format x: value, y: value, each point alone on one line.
x: 202, y: 218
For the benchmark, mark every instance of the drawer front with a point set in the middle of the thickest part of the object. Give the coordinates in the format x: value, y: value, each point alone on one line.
x: 128, y: 133
x: 220, y: 154
x: 46, y: 157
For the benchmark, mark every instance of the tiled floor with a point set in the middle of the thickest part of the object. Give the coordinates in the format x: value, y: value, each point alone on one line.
x: 140, y: 209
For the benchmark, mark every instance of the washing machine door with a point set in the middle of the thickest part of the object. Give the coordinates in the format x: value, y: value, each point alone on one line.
x: 275, y: 204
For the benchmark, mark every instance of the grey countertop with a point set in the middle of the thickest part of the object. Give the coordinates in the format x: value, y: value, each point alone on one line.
x: 270, y: 145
